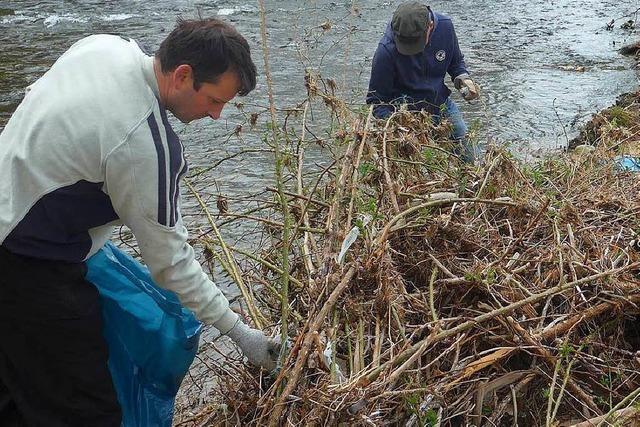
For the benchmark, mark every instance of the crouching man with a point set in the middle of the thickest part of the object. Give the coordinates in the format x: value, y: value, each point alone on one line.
x: 417, y: 50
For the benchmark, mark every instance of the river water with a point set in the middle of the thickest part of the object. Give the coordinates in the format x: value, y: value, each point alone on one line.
x: 523, y: 53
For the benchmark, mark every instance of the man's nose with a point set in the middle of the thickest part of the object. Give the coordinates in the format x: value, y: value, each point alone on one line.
x: 215, y: 112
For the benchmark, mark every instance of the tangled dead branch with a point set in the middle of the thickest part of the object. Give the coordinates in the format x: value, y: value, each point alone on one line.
x: 479, y: 295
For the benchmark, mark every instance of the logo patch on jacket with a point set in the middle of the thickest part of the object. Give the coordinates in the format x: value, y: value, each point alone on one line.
x: 440, y: 55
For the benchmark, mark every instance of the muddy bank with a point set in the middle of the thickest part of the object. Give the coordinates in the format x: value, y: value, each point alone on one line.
x: 619, y: 120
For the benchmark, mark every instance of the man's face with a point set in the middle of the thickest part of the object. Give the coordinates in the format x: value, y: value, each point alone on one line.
x: 188, y: 104
x: 429, y: 31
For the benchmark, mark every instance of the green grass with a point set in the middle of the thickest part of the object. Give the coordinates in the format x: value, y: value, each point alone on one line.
x: 619, y: 116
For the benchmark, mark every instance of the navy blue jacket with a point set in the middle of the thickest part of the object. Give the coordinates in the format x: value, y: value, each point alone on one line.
x: 416, y: 80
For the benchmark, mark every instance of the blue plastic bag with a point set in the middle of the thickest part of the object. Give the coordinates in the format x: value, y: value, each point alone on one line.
x: 628, y: 163
x: 152, y: 339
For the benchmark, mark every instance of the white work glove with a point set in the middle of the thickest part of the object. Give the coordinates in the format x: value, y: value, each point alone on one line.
x: 259, y: 349
x: 468, y: 89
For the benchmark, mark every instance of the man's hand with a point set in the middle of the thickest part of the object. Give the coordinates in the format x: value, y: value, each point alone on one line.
x: 259, y: 348
x: 467, y: 87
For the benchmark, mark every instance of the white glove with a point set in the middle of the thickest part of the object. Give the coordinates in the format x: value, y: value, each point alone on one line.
x: 259, y: 349
x: 468, y: 89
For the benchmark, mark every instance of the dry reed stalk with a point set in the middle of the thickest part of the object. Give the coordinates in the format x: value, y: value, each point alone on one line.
x: 232, y: 268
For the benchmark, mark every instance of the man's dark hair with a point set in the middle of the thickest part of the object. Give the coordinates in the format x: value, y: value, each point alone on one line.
x: 210, y: 47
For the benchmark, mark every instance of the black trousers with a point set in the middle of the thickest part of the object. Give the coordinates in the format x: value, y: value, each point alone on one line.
x: 53, y: 357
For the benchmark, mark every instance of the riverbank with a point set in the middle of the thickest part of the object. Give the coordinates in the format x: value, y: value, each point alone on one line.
x: 617, y: 121
x: 616, y: 126
x: 422, y: 291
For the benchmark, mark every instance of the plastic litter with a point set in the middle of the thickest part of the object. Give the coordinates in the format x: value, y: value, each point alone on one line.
x: 328, y: 360
x: 628, y: 163
x: 152, y: 339
x: 351, y: 238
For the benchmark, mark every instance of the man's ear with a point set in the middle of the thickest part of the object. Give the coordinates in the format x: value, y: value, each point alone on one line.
x: 182, y: 74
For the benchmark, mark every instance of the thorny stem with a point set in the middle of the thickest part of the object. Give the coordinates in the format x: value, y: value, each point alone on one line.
x: 279, y: 160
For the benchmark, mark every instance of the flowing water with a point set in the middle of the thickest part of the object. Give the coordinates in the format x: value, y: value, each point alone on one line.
x: 523, y: 53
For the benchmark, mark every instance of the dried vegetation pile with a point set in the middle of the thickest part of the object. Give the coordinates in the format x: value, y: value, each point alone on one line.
x: 473, y: 295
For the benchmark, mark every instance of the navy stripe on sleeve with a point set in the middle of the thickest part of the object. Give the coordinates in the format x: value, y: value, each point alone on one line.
x: 176, y: 196
x: 162, y: 172
x: 177, y: 167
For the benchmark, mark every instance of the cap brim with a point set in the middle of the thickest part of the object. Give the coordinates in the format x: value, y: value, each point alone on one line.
x: 411, y: 48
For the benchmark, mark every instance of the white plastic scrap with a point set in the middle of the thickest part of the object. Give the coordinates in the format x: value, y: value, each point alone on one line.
x: 351, y: 238
x: 328, y: 360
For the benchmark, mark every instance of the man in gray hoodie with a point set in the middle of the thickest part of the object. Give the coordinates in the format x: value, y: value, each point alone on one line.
x: 90, y: 147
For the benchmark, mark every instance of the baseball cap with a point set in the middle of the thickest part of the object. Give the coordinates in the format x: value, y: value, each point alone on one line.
x: 409, y: 25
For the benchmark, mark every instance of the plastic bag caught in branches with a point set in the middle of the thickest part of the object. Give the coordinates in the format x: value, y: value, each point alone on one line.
x: 351, y: 238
